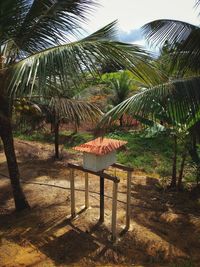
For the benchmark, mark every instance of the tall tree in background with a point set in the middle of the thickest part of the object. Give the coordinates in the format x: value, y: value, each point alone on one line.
x: 40, y: 44
x: 73, y: 111
x: 121, y: 89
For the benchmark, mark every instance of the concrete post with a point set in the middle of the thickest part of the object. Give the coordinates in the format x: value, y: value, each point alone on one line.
x: 114, y: 212
x: 101, y: 219
x: 72, y: 189
x: 128, y: 200
x: 86, y: 191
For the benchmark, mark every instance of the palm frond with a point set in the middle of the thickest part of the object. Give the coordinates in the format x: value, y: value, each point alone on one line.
x: 13, y: 12
x: 75, y: 111
x: 121, y: 88
x: 178, y: 102
x: 197, y: 4
x: 173, y: 31
x: 183, y: 38
x: 73, y: 61
x: 188, y: 53
x: 46, y: 22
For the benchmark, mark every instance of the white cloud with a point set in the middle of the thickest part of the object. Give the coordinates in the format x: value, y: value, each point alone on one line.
x: 132, y: 14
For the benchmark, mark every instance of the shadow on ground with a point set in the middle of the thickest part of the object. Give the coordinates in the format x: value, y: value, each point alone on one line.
x: 165, y: 226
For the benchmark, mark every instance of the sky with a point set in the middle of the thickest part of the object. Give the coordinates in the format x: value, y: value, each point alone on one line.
x: 132, y: 14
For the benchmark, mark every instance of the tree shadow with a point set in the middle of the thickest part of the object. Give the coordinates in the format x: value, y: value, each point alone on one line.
x: 62, y: 240
x: 71, y: 247
x: 170, y: 215
x: 38, y: 159
x: 70, y: 242
x: 34, y: 168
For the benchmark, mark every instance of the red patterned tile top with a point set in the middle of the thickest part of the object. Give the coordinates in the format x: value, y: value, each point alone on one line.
x: 100, y: 146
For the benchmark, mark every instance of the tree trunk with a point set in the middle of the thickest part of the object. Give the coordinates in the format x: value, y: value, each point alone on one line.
x: 198, y: 175
x: 173, y: 181
x: 56, y: 140
x: 75, y: 129
x: 180, y: 178
x: 8, y: 144
x: 194, y: 155
x: 121, y: 121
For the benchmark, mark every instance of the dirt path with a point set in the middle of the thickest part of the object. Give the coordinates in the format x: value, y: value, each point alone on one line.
x: 165, y: 227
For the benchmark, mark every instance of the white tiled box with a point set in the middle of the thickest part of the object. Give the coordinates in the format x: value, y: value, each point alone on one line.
x: 98, y: 162
x: 100, y: 153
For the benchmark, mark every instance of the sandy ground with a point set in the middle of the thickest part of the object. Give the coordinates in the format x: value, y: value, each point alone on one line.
x: 165, y: 226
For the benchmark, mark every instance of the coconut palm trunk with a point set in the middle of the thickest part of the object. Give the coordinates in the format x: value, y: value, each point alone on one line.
x: 56, y: 141
x: 121, y: 121
x: 8, y: 144
x: 194, y: 153
x: 173, y: 181
x: 180, y: 178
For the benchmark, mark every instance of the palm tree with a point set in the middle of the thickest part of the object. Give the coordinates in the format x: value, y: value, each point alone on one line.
x: 54, y: 110
x: 121, y: 88
x: 40, y: 44
x: 178, y: 100
x: 182, y: 37
x: 73, y: 111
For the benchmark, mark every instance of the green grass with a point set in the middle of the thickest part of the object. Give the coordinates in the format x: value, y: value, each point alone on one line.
x: 67, y: 138
x: 188, y: 263
x: 146, y: 154
x: 36, y: 136
x: 76, y: 139
x: 151, y: 155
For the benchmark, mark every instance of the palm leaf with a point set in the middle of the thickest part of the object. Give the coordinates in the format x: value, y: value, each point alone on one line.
x: 197, y: 4
x: 184, y: 39
x: 13, y: 12
x: 188, y: 53
x: 178, y: 102
x: 75, y: 111
x: 71, y: 62
x: 173, y: 31
x: 43, y: 23
x: 121, y: 88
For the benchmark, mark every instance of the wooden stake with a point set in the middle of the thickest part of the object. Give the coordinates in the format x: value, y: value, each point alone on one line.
x: 114, y: 212
x: 128, y: 200
x: 86, y: 191
x: 72, y: 188
x: 101, y: 219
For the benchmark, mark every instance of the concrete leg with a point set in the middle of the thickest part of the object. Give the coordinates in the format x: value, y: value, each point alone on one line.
x: 101, y: 219
x: 86, y: 191
x: 72, y: 188
x: 128, y: 200
x: 114, y: 212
